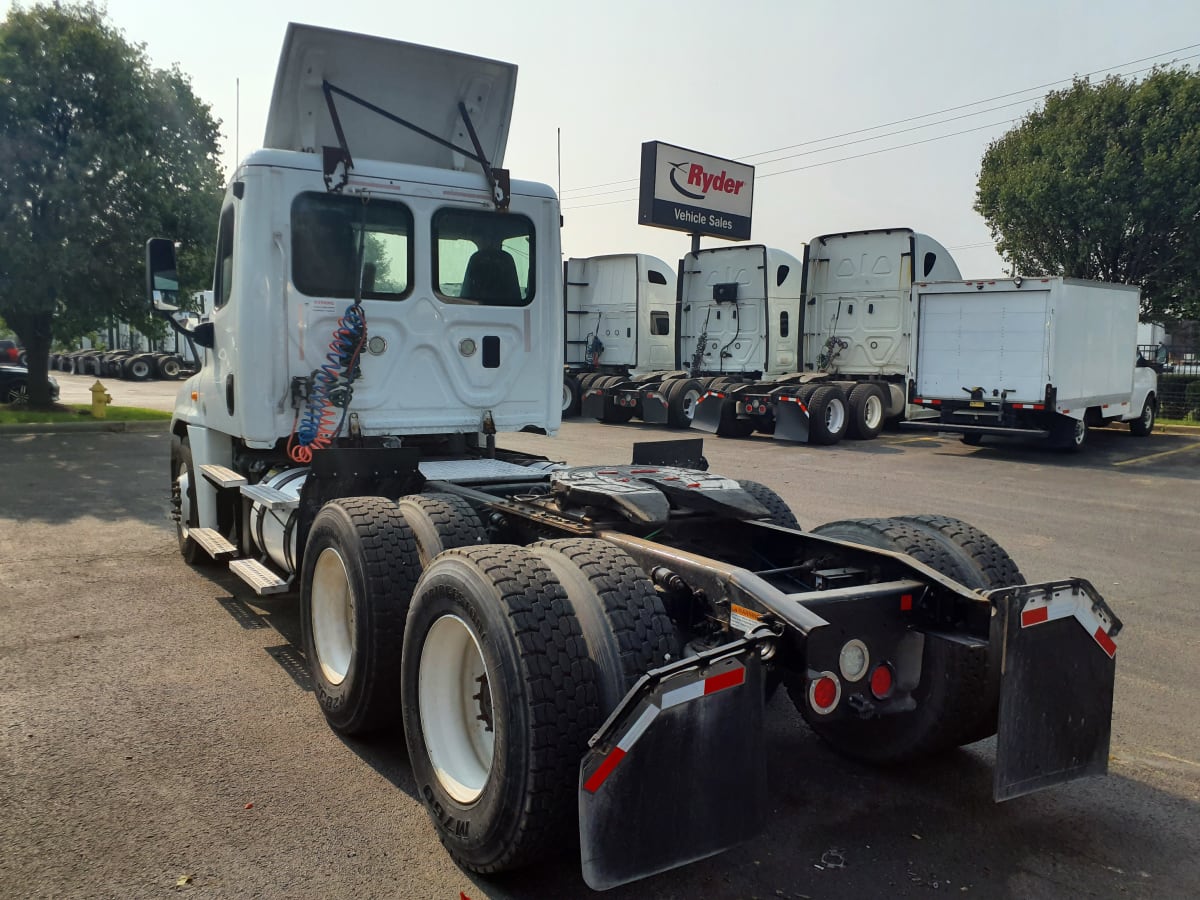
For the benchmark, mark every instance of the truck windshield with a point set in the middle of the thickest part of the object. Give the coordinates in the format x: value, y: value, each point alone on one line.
x: 325, y: 229
x: 483, y: 257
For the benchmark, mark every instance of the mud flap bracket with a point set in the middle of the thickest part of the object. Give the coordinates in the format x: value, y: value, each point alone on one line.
x: 677, y: 772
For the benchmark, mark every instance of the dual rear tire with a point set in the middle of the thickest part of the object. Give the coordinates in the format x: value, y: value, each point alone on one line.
x: 499, y: 659
x: 957, y: 694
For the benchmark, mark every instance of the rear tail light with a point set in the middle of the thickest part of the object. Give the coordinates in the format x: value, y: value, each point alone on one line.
x: 882, y: 682
x: 824, y: 692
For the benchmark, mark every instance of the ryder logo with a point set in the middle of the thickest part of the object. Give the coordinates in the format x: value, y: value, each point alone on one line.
x: 705, y: 181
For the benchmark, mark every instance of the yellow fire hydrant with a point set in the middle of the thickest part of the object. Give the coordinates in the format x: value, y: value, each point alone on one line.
x: 100, y: 400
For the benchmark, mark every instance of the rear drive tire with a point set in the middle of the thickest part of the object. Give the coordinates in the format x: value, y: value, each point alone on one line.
x: 779, y: 513
x: 953, y: 679
x: 356, y: 582
x: 499, y: 700
x: 441, y: 522
x: 827, y: 418
x: 1067, y: 434
x: 972, y: 440
x: 571, y: 397
x: 628, y: 632
x: 866, y: 412
x: 682, y: 397
x: 992, y: 568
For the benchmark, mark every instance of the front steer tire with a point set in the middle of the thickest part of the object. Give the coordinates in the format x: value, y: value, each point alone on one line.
x: 356, y: 582
x: 499, y: 699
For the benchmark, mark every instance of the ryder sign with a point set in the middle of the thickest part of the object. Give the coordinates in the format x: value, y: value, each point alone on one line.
x: 689, y: 191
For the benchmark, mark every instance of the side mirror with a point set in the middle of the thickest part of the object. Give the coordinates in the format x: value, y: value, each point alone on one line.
x: 162, y: 279
x: 205, y: 334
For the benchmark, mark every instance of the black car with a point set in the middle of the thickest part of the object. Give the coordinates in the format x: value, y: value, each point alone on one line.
x: 14, y: 384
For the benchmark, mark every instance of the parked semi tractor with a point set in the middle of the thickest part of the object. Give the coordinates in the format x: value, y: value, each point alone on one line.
x: 564, y: 648
x: 1040, y: 358
x: 620, y: 325
x: 837, y: 365
x: 738, y: 315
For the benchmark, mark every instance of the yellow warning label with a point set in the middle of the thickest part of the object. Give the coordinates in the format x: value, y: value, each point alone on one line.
x: 743, y: 619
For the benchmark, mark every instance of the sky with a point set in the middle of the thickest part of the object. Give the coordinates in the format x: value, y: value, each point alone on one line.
x: 821, y: 97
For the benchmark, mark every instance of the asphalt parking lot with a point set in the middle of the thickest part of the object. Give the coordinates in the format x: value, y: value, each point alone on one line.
x: 157, y: 734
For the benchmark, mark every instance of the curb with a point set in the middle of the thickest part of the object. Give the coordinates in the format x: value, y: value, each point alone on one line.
x: 1177, y: 429
x: 59, y: 427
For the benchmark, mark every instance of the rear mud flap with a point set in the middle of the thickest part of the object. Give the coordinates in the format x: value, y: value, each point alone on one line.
x: 592, y: 406
x: 677, y: 773
x: 1056, y: 689
x: 654, y: 406
x: 708, y: 412
x: 791, y: 420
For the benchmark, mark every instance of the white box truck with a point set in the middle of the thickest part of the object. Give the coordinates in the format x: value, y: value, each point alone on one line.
x: 1034, y: 357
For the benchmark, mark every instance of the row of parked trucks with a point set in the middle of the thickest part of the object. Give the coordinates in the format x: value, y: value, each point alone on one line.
x: 565, y: 649
x: 869, y: 327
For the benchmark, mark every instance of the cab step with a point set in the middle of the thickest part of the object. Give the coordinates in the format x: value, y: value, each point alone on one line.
x: 259, y: 577
x: 269, y: 496
x: 213, y: 543
x: 221, y: 476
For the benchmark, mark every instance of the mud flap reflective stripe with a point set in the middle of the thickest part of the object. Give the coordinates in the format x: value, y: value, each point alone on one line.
x: 1056, y: 689
x: 677, y: 774
x: 654, y: 406
x: 592, y: 405
x: 791, y: 420
x: 707, y: 415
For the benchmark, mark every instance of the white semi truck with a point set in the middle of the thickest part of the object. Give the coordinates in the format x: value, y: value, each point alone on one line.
x: 830, y: 354
x: 563, y: 647
x: 1040, y: 358
x: 620, y: 325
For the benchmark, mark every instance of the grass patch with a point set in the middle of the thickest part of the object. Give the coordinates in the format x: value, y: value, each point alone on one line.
x: 77, y: 412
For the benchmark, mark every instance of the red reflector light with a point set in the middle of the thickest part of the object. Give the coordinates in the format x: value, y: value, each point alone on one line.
x: 936, y: 402
x: 881, y: 682
x: 917, y: 401
x: 824, y: 693
x: 905, y: 602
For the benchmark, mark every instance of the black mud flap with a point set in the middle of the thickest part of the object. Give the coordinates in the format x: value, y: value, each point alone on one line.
x: 677, y: 773
x: 791, y: 420
x: 708, y: 413
x: 654, y: 406
x: 592, y: 405
x: 1056, y: 688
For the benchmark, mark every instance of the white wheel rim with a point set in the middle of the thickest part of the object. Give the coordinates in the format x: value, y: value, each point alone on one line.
x: 332, y: 616
x: 1080, y: 431
x: 566, y: 398
x: 690, y: 399
x: 455, y: 700
x: 835, y: 416
x: 873, y: 411
x: 1148, y: 416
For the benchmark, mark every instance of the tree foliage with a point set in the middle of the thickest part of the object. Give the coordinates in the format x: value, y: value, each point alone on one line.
x: 1104, y: 182
x: 98, y: 152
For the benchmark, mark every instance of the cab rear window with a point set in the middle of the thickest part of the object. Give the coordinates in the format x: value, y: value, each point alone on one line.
x: 325, y: 238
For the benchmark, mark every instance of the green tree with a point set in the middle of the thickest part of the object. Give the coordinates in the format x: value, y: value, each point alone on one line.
x: 1104, y: 182
x: 98, y: 152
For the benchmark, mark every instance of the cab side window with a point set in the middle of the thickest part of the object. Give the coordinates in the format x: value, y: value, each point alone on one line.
x: 223, y: 277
